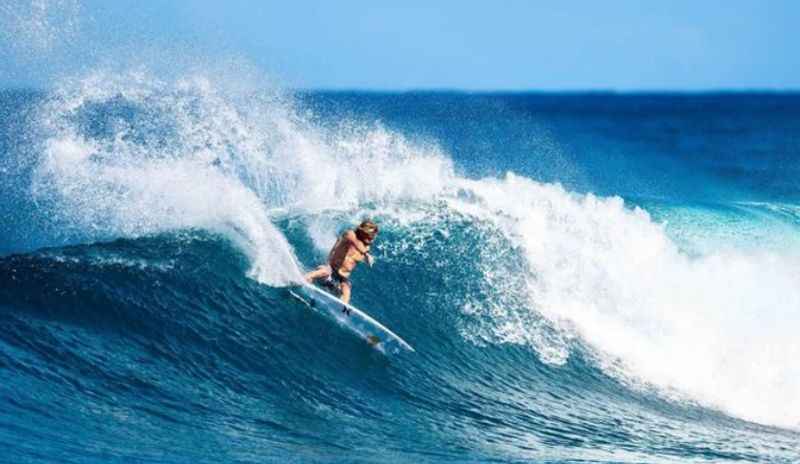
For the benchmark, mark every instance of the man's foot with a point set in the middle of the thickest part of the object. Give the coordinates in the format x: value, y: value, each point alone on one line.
x: 346, y: 310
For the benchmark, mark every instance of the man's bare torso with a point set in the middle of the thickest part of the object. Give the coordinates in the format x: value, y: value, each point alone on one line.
x: 345, y: 256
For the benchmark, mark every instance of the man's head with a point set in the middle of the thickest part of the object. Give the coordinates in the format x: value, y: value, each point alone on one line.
x: 367, y: 231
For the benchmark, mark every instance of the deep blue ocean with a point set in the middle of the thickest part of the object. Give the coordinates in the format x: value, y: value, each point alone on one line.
x: 585, y: 278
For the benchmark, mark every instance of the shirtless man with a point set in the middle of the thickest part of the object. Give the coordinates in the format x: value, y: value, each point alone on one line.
x: 351, y: 248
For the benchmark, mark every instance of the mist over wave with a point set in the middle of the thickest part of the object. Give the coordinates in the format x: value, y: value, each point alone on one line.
x: 128, y: 155
x: 39, y: 27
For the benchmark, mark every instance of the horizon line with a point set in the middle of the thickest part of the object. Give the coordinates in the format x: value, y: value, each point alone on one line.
x: 509, y: 91
x: 576, y: 91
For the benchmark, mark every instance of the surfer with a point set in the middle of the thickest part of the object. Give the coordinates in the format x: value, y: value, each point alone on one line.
x: 351, y: 248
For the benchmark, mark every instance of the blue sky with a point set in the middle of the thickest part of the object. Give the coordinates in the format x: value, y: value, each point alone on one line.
x: 502, y: 45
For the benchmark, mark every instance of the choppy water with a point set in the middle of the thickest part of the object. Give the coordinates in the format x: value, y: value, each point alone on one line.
x: 585, y: 278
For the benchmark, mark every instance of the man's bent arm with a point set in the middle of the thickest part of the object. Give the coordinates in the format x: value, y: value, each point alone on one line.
x: 351, y: 237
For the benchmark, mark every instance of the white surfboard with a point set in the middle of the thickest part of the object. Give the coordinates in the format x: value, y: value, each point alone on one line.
x: 375, y: 333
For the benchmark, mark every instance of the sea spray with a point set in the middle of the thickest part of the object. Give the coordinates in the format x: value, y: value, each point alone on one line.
x: 117, y: 176
x: 39, y: 27
x: 718, y: 328
x: 131, y: 155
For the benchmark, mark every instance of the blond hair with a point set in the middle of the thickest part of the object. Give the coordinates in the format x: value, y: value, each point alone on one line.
x: 367, y: 229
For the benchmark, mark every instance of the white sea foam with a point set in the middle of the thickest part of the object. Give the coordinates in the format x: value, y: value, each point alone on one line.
x: 129, y: 180
x: 130, y: 154
x: 718, y: 328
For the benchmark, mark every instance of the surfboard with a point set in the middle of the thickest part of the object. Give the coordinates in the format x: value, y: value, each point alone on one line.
x: 373, y: 332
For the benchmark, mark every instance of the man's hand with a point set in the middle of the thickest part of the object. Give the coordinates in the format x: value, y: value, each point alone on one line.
x: 370, y: 259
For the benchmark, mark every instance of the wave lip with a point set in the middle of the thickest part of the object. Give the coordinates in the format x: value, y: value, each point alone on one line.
x: 713, y: 327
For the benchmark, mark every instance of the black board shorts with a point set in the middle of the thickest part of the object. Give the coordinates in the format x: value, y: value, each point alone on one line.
x: 340, y: 279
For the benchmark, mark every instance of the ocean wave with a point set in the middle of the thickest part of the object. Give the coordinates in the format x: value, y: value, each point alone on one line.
x: 130, y: 155
x: 509, y: 288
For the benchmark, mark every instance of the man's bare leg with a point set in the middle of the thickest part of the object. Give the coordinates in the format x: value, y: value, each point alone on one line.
x: 346, y: 286
x: 318, y: 273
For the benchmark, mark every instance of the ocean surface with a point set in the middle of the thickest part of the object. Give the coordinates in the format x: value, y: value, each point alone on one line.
x: 585, y: 277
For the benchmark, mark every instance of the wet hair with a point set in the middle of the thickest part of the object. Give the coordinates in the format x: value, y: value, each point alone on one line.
x: 367, y: 229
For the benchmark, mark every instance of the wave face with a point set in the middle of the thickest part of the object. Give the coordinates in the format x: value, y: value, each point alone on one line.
x: 585, y: 278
